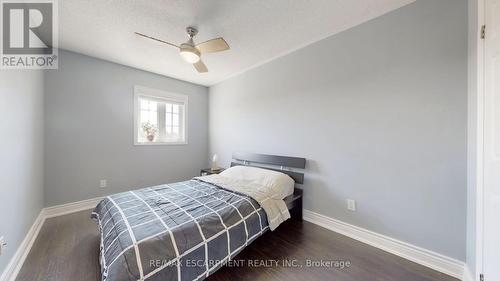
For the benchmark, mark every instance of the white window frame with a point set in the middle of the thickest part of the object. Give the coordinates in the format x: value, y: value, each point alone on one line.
x: 141, y: 91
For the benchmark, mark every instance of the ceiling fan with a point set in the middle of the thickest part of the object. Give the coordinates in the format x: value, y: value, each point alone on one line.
x: 191, y: 52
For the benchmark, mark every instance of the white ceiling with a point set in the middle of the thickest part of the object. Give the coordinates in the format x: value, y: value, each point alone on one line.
x: 257, y: 31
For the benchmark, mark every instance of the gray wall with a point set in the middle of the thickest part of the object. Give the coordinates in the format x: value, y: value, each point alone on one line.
x: 379, y: 111
x: 21, y: 155
x: 472, y: 137
x: 89, y: 131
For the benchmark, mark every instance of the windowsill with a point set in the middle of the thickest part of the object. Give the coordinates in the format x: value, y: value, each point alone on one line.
x: 160, y: 143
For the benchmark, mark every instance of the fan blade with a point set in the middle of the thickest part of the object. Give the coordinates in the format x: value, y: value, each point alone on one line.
x: 156, y: 39
x: 200, y: 66
x: 213, y: 46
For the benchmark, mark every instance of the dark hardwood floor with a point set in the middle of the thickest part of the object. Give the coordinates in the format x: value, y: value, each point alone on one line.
x: 67, y: 249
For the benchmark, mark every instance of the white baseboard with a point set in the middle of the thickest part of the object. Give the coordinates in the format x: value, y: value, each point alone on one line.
x: 408, y: 251
x: 16, y: 262
x: 69, y: 208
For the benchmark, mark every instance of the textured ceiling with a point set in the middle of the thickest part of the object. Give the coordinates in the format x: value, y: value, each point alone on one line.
x: 257, y: 31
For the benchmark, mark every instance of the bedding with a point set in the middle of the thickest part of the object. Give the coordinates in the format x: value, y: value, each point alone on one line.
x: 182, y: 231
x: 281, y: 184
x: 268, y: 196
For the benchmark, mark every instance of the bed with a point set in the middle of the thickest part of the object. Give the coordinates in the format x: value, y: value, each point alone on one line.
x: 187, y: 230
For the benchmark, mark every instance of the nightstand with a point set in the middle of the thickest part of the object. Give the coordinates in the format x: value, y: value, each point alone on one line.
x: 208, y: 171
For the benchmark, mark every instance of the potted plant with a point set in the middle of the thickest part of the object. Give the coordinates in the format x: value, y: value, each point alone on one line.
x: 149, y: 130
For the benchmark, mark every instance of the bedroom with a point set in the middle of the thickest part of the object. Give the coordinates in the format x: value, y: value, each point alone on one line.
x: 369, y: 123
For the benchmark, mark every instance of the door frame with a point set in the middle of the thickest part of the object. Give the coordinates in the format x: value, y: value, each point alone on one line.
x: 476, y: 125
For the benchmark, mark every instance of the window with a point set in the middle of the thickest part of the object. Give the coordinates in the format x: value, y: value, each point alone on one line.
x: 159, y: 117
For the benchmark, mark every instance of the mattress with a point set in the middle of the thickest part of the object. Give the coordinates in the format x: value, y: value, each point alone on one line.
x: 180, y: 231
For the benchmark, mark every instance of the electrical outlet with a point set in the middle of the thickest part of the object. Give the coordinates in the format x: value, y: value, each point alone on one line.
x: 103, y: 183
x: 3, y: 245
x: 351, y: 205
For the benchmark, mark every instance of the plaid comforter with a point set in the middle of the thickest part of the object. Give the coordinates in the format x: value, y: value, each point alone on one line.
x: 179, y: 231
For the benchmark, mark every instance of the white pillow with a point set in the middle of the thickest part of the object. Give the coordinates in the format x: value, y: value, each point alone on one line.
x: 280, y: 183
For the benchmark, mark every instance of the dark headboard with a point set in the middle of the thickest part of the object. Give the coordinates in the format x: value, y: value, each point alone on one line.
x: 282, y: 163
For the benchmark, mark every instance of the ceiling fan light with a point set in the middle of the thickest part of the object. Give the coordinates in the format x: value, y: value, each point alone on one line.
x: 189, y: 56
x: 189, y: 53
